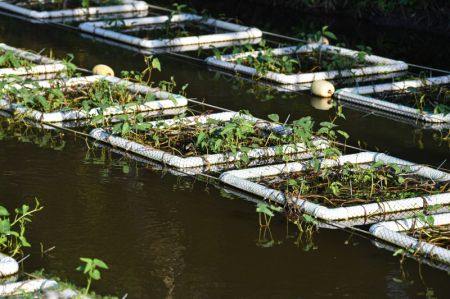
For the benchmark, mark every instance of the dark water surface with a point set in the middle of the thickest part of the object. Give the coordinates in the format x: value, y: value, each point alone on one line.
x: 164, y: 235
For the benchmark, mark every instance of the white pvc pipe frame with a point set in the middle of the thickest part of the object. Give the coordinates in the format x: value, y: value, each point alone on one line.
x: 358, y: 95
x: 394, y: 232
x: 8, y: 266
x: 27, y: 286
x: 385, y: 65
x: 185, y: 48
x: 47, y: 65
x: 127, y: 6
x: 241, y: 179
x: 166, y: 100
x: 210, y: 159
x: 238, y: 31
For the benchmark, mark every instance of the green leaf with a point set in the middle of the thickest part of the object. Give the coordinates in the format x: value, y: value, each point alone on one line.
x: 398, y: 251
x: 156, y: 64
x: 263, y: 208
x: 343, y: 134
x: 100, y: 264
x: 5, y: 226
x: 330, y: 35
x: 95, y: 274
x: 125, y: 128
x: 3, y: 211
x: 274, y: 117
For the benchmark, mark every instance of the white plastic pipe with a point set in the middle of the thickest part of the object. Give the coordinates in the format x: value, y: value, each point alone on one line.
x: 360, y: 95
x: 126, y: 6
x: 394, y: 232
x: 45, y: 64
x: 27, y: 286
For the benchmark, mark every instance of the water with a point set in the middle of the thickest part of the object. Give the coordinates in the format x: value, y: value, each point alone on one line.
x: 164, y: 235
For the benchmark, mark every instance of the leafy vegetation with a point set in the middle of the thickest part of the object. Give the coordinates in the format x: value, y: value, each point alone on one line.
x: 352, y: 184
x: 13, y: 227
x: 90, y: 268
x: 264, y: 60
x: 239, y: 134
x: 431, y: 98
x: 9, y: 59
x: 60, y: 97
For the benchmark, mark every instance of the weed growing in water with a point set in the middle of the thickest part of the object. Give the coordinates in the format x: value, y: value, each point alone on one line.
x: 91, y: 268
x: 13, y: 229
x: 8, y: 59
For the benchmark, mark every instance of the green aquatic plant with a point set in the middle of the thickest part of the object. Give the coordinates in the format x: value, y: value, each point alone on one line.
x: 58, y: 96
x: 266, y: 212
x: 13, y: 227
x: 91, y: 269
x: 8, y: 59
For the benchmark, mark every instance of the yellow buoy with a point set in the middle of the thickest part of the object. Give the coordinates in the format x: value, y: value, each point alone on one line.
x: 103, y: 69
x: 322, y: 88
x: 321, y: 103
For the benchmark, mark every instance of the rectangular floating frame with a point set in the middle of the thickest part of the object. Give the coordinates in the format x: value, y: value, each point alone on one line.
x: 44, y: 64
x: 166, y: 101
x: 126, y: 6
x: 241, y: 179
x: 395, y: 232
x: 205, y: 161
x: 237, y: 32
x: 384, y: 65
x: 361, y: 96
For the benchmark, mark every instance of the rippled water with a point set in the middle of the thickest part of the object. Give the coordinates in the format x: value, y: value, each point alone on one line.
x: 166, y: 235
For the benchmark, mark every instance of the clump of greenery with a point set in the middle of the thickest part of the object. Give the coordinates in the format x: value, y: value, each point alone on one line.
x: 13, y: 228
x: 352, y: 184
x: 99, y: 95
x: 307, y: 62
x: 9, y: 59
x: 429, y: 98
x: 239, y: 134
x: 59, y: 97
x: 90, y: 268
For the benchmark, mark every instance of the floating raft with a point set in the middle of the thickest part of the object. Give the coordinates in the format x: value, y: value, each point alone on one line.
x: 382, y: 65
x: 236, y: 32
x: 203, y: 161
x: 242, y: 179
x: 166, y: 100
x: 43, y: 65
x: 367, y: 96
